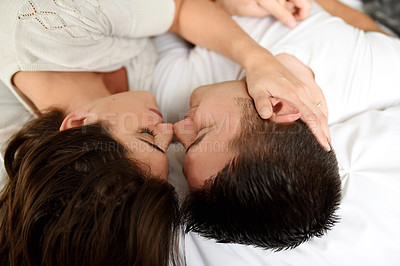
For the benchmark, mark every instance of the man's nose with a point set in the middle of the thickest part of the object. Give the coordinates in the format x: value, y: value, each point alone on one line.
x: 185, y: 132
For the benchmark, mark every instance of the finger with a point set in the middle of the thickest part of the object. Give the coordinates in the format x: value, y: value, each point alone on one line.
x: 279, y: 12
x: 325, y: 127
x: 303, y: 7
x: 263, y: 105
x: 317, y: 127
x: 290, y: 7
x: 321, y: 112
x: 313, y: 115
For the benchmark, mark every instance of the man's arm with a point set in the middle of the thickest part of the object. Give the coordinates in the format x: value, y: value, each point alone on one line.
x: 350, y: 15
x: 206, y: 24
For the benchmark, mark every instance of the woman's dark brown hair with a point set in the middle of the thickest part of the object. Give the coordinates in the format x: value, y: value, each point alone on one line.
x: 76, y: 198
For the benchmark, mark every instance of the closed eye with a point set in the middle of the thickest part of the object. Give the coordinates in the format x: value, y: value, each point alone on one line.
x: 152, y: 134
x: 197, y: 132
x: 198, y: 139
x: 147, y: 130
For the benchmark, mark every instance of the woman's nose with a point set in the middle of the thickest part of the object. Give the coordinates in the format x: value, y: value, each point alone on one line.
x: 185, y: 131
x: 167, y: 132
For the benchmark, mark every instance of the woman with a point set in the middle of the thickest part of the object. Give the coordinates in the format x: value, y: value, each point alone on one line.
x: 78, y: 197
x: 87, y: 177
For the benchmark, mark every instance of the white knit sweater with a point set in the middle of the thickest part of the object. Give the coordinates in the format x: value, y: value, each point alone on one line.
x: 82, y: 35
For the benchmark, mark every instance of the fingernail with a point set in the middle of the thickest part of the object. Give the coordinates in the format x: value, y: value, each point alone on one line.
x: 265, y: 112
x: 328, y: 147
x: 292, y: 24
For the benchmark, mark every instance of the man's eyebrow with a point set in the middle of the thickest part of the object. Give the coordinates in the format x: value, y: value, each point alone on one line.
x: 196, y: 142
x: 152, y: 145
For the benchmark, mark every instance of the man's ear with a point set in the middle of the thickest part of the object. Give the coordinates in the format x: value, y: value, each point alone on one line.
x: 284, y: 111
x: 74, y: 119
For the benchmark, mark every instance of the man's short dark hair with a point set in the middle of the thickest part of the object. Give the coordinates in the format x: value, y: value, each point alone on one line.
x: 280, y: 190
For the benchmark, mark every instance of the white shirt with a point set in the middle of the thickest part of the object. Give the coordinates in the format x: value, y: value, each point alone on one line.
x: 82, y: 35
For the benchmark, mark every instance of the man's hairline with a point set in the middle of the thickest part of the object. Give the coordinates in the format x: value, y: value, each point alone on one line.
x: 239, y: 102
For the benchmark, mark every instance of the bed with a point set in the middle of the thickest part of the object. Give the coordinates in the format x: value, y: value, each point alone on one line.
x: 367, y: 147
x: 368, y: 234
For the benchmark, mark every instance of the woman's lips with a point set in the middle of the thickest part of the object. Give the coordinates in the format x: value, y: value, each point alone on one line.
x: 156, y: 111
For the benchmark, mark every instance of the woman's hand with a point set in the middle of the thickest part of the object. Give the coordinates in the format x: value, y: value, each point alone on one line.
x: 268, y: 79
x: 286, y: 11
x: 206, y: 24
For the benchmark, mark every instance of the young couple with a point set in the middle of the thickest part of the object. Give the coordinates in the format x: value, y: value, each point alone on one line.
x: 273, y: 185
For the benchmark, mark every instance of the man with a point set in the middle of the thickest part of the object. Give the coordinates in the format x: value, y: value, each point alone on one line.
x: 241, y: 190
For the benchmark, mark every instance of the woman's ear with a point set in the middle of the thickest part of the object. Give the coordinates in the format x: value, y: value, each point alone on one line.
x: 74, y: 119
x: 284, y: 111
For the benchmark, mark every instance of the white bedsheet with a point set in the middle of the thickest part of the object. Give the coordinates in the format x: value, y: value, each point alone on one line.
x: 367, y: 148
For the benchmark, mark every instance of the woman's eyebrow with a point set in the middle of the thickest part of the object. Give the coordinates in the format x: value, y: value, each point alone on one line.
x: 196, y: 141
x: 152, y: 145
